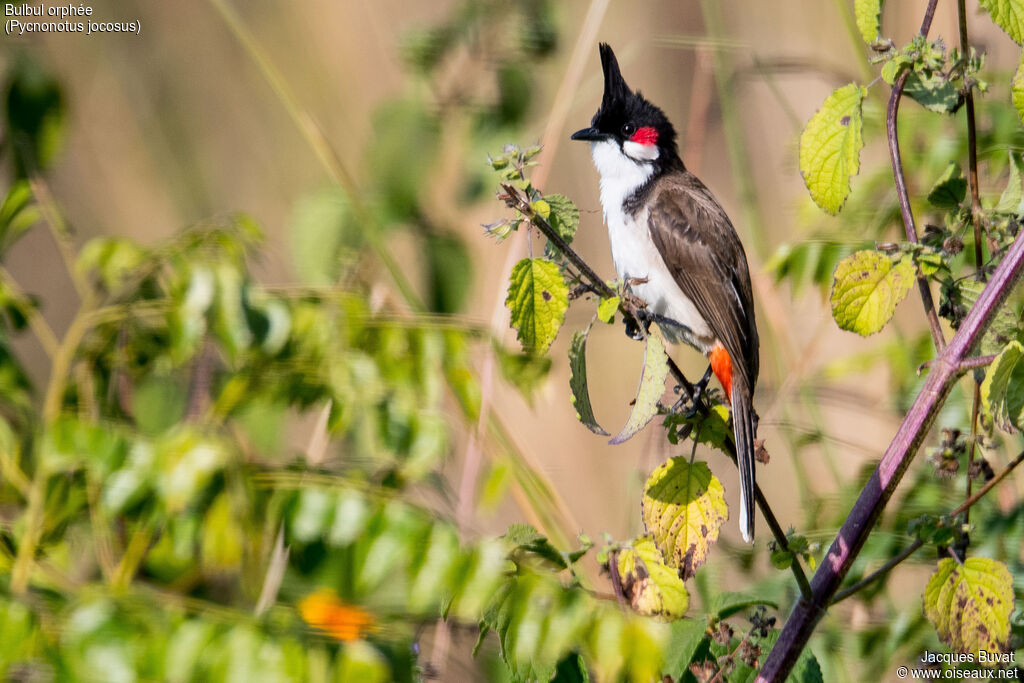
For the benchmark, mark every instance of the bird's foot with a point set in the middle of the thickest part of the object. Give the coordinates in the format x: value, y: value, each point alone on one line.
x: 689, y: 406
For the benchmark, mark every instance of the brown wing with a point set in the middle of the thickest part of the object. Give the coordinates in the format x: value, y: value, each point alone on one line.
x: 705, y: 256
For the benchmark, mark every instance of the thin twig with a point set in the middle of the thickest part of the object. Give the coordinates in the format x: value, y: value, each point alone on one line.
x: 878, y: 573
x: 989, y: 485
x: 966, y: 364
x: 972, y: 179
x: 904, y: 201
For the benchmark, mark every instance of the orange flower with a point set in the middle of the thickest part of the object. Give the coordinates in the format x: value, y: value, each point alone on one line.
x: 323, y: 610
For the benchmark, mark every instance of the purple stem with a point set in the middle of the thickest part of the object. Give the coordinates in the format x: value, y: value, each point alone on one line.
x: 887, y: 475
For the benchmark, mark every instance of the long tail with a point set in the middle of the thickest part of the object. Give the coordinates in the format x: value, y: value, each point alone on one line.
x: 744, y: 428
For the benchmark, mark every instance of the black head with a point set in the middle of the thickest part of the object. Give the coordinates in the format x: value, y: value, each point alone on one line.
x: 626, y: 116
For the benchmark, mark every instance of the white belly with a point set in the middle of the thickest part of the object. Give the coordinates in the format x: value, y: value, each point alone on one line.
x: 637, y: 258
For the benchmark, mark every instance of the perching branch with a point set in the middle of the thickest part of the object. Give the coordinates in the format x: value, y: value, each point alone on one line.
x: 880, y: 487
x: 518, y: 201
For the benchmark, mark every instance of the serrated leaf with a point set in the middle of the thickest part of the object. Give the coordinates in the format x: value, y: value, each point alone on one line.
x: 538, y: 298
x: 687, y: 637
x: 542, y: 208
x: 830, y: 147
x: 606, y: 309
x: 652, y: 386
x: 866, y: 289
x: 684, y: 509
x: 936, y: 94
x: 1004, y: 327
x: 1017, y: 89
x: 869, y: 19
x: 970, y: 604
x: 1009, y: 15
x: 950, y: 189
x: 564, y: 216
x: 578, y: 381
x: 651, y: 587
x: 895, y: 66
x: 1002, y: 391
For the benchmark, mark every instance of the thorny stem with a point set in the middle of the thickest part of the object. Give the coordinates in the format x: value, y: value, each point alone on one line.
x: 515, y: 199
x: 913, y: 547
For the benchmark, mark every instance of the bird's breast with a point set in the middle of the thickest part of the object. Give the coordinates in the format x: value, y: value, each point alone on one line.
x: 637, y: 259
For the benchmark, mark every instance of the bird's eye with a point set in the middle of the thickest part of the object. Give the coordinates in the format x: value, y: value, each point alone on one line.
x: 628, y: 129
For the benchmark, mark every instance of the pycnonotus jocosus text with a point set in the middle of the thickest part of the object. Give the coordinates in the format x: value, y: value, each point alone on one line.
x: 676, y: 249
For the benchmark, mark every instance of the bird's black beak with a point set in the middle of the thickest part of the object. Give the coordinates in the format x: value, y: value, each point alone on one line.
x: 590, y: 134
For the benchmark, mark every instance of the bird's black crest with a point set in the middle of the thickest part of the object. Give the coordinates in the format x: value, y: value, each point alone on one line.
x: 621, y: 105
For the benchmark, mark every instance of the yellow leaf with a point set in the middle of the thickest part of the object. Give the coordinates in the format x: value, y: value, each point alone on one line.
x: 650, y: 585
x: 684, y: 509
x: 970, y: 604
x: 830, y: 147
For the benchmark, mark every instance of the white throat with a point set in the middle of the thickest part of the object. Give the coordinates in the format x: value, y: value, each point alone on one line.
x: 621, y: 175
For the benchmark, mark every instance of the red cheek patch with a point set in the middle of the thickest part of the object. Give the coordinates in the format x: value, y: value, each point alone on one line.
x: 645, y: 136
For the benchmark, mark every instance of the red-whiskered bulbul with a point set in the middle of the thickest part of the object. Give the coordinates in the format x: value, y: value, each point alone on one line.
x: 673, y: 245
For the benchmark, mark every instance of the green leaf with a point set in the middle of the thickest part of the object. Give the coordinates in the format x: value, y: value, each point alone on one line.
x: 1002, y: 392
x: 525, y: 371
x: 525, y: 537
x: 1010, y: 200
x: 578, y: 381
x: 869, y: 19
x: 159, y: 403
x: 687, y: 637
x: 572, y: 669
x: 35, y: 114
x: 970, y: 604
x: 606, y: 309
x: 866, y: 289
x: 1004, y: 327
x: 934, y: 93
x: 360, y: 661
x: 563, y: 216
x: 538, y: 298
x: 950, y: 189
x: 651, y: 587
x: 1009, y: 15
x: 724, y: 605
x: 652, y: 386
x: 322, y: 232
x: 830, y: 147
x: 18, y: 213
x: 1017, y: 89
x: 892, y: 69
x: 684, y: 508
x: 810, y: 262
x: 221, y: 550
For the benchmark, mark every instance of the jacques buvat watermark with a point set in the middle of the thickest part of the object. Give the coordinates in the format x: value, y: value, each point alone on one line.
x: 981, y: 665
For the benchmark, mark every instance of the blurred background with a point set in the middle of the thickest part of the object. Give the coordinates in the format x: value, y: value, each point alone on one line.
x: 347, y: 127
